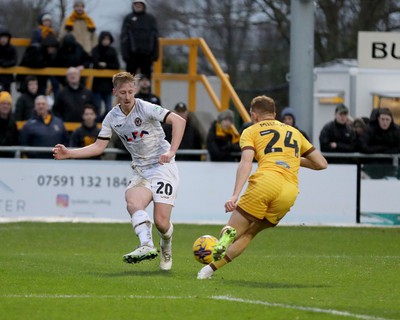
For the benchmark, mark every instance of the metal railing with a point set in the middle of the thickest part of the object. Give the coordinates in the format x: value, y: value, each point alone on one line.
x: 19, y: 150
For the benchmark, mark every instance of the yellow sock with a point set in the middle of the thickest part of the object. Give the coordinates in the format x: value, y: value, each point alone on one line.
x: 215, y: 265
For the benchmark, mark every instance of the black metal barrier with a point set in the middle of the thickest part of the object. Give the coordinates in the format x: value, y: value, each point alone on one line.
x: 360, y: 160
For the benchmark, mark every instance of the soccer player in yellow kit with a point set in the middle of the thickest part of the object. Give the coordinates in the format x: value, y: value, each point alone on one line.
x: 280, y: 150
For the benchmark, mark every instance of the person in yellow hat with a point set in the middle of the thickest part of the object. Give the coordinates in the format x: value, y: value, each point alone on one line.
x: 8, y: 126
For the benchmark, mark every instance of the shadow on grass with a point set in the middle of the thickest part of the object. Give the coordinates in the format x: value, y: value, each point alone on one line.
x: 273, y: 285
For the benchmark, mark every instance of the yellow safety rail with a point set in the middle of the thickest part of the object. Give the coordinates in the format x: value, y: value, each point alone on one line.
x: 192, y: 77
x: 227, y: 90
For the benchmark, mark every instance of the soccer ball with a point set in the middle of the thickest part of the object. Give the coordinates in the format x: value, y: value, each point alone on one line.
x: 203, y: 247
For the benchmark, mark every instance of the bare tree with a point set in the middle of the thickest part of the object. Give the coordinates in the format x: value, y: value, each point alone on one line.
x: 22, y: 15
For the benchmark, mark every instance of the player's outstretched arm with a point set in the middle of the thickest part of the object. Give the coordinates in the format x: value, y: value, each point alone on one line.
x: 315, y: 161
x: 60, y: 152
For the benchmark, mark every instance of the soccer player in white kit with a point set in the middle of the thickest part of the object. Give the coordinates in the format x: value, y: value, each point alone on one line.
x: 155, y: 176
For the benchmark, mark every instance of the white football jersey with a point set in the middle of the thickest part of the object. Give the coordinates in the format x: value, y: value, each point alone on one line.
x: 140, y: 131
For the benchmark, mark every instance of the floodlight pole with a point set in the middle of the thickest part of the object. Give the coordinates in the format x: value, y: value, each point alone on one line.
x: 301, y: 78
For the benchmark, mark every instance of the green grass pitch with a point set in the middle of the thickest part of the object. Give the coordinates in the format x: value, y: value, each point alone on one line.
x: 75, y: 271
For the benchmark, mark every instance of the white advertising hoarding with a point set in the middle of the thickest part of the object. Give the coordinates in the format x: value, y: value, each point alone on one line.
x: 82, y: 189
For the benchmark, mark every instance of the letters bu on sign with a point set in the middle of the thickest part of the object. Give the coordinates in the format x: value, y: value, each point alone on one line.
x: 379, y: 50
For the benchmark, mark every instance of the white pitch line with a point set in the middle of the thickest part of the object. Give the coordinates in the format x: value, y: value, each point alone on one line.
x: 224, y: 298
x: 289, y: 306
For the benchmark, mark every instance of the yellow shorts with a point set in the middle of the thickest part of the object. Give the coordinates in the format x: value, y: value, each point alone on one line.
x: 268, y: 196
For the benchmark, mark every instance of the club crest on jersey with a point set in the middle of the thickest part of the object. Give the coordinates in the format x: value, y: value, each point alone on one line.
x: 135, y: 135
x: 138, y: 122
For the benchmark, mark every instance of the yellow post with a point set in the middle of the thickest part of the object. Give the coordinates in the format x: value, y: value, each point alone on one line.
x: 157, y: 71
x: 192, y: 76
x: 224, y: 95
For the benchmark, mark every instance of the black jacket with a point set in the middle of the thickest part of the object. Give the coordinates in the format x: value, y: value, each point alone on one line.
x: 71, y: 54
x: 70, y: 102
x: 342, y: 134
x: 191, y: 139
x: 376, y: 140
x: 108, y: 55
x: 139, y: 35
x: 220, y: 148
x: 8, y: 58
x: 24, y: 107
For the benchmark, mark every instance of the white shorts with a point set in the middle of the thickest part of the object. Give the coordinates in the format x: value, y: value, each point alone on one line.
x: 161, y: 180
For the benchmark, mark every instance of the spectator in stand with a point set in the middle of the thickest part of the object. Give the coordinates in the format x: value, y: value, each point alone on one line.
x: 71, y: 54
x: 43, y: 30
x: 81, y: 26
x: 72, y: 98
x: 192, y: 138
x: 139, y: 39
x: 8, y: 58
x: 338, y: 135
x: 223, y: 138
x: 104, y: 56
x: 87, y: 133
x: 360, y: 129
x: 32, y: 58
x: 288, y: 117
x: 145, y: 93
x: 26, y: 101
x: 43, y: 129
x: 49, y: 50
x: 8, y: 126
x: 382, y: 135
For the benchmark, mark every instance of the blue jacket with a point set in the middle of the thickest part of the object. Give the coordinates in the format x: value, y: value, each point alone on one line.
x: 36, y: 133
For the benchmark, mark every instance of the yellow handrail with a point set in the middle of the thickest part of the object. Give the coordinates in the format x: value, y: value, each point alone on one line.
x: 227, y: 90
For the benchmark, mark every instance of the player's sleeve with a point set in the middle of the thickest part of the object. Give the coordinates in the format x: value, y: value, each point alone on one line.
x: 156, y: 112
x: 106, y: 131
x: 306, y: 147
x: 246, y: 140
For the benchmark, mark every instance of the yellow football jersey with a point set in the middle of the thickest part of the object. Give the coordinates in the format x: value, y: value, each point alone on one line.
x: 277, y: 147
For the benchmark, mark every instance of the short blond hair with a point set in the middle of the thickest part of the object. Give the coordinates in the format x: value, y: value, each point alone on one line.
x: 122, y: 77
x: 263, y: 104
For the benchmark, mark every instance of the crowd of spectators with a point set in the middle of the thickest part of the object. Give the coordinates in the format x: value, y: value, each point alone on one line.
x: 45, y: 102
x: 375, y: 134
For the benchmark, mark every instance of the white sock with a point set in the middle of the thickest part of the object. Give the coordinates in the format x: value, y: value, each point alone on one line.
x: 166, y: 238
x: 142, y: 225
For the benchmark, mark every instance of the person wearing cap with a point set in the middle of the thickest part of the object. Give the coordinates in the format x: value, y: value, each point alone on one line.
x: 288, y: 117
x: 223, y: 138
x: 8, y: 127
x: 8, y: 58
x: 139, y: 39
x: 338, y: 135
x: 144, y: 91
x: 192, y: 138
x: 44, y: 29
x: 81, y: 26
